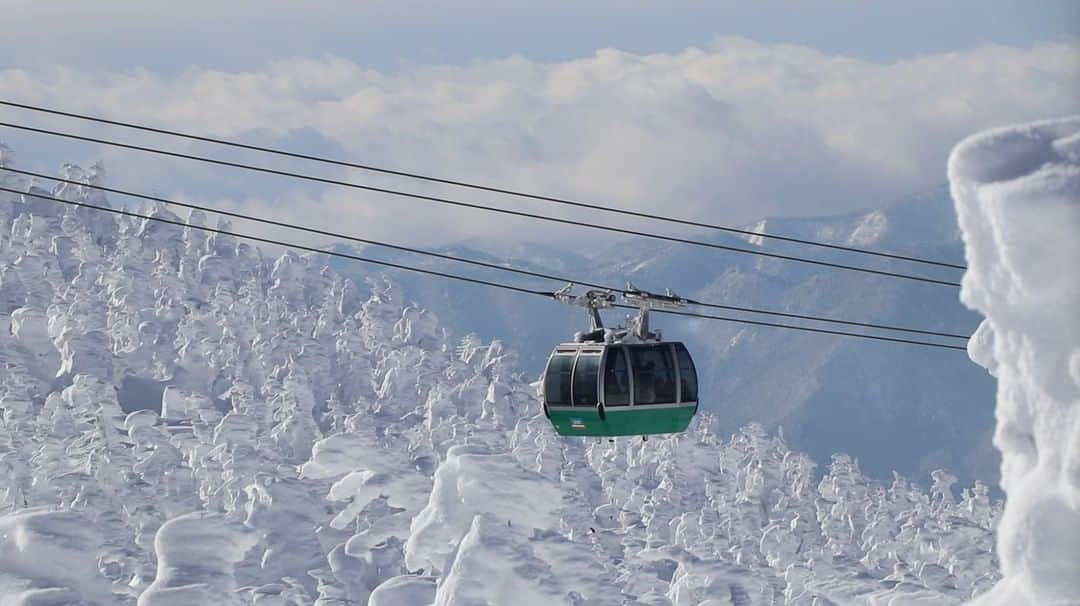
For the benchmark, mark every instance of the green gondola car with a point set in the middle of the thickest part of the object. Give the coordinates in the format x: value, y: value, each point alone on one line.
x: 614, y: 389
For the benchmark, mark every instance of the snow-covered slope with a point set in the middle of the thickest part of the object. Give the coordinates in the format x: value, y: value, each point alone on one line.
x: 894, y: 407
x: 1017, y: 192
x: 187, y: 421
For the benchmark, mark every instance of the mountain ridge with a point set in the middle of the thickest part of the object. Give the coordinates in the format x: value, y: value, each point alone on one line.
x: 317, y: 445
x: 781, y: 378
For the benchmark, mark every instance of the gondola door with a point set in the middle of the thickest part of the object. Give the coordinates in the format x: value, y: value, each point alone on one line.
x: 572, y: 391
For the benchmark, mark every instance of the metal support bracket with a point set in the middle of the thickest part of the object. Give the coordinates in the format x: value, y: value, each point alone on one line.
x: 646, y: 301
x: 592, y: 300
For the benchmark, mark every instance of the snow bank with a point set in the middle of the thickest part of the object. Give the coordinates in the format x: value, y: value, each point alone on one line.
x: 495, y: 531
x: 196, y: 555
x: 698, y: 583
x: 1017, y: 193
x: 50, y: 558
x: 404, y: 591
x: 496, y: 565
x: 469, y: 483
x: 365, y: 470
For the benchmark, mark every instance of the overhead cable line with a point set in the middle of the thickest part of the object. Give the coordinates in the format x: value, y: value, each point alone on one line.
x: 461, y: 204
x: 691, y: 314
x: 475, y: 186
x: 448, y: 275
x: 495, y: 266
x: 127, y: 213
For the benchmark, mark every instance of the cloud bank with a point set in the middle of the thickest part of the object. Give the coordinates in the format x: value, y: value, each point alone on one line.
x: 730, y: 133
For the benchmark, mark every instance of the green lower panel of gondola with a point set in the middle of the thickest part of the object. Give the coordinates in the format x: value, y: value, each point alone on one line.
x: 624, y: 421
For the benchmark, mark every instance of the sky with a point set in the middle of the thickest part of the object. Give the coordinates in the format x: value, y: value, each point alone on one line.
x: 394, y: 35
x: 724, y: 111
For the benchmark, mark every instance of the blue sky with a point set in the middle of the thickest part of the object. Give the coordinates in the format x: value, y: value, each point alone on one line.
x: 726, y: 111
x: 388, y: 36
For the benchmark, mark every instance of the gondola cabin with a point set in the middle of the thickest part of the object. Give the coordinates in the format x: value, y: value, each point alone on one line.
x: 616, y: 389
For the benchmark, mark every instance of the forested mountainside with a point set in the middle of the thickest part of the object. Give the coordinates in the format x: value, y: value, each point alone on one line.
x: 186, y: 419
x: 891, y: 406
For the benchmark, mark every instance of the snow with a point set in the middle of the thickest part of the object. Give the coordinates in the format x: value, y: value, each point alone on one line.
x: 907, y: 409
x: 494, y: 565
x: 715, y: 584
x: 1017, y: 193
x: 470, y: 483
x: 196, y: 553
x: 304, y: 439
x: 383, y: 476
x: 405, y: 591
x: 49, y: 558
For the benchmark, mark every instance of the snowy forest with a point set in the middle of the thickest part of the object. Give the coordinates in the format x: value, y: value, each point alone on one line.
x: 188, y: 419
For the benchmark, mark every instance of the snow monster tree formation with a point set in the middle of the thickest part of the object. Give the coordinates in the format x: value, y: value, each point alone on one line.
x: 185, y: 420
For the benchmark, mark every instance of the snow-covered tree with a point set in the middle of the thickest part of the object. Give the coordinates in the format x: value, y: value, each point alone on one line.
x: 239, y: 428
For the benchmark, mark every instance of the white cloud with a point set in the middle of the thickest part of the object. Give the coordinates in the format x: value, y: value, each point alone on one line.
x: 730, y: 133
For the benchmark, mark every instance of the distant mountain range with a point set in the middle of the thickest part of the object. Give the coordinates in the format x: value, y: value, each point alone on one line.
x: 893, y: 406
x: 187, y: 420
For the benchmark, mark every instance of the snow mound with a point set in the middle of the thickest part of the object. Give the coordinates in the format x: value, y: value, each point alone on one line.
x: 404, y: 591
x: 471, y: 482
x: 196, y: 555
x: 697, y: 583
x: 1017, y: 193
x: 500, y: 564
x: 365, y: 472
x: 50, y: 558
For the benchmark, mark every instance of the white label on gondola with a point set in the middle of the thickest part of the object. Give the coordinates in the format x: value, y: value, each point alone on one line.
x: 577, y: 424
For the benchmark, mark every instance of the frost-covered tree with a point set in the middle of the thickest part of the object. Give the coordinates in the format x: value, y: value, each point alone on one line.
x: 235, y: 427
